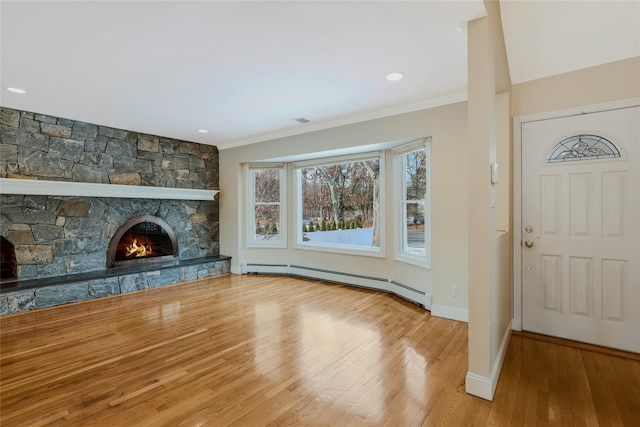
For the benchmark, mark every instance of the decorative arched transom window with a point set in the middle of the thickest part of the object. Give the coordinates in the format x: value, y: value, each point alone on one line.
x: 582, y: 147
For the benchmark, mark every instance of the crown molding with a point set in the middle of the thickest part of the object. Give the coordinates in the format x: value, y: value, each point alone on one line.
x: 313, y: 127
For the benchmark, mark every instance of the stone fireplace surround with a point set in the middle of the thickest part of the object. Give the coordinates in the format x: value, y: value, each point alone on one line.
x: 61, y: 241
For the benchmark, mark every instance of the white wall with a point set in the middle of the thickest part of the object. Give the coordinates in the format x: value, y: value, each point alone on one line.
x: 446, y: 126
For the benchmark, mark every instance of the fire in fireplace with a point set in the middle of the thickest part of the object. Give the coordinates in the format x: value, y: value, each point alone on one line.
x: 142, y: 239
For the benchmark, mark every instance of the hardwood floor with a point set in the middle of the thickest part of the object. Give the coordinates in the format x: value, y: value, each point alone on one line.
x: 260, y: 350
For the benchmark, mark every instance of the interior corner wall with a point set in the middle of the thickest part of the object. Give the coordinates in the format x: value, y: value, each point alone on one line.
x: 446, y: 125
x: 489, y: 204
x: 481, y: 215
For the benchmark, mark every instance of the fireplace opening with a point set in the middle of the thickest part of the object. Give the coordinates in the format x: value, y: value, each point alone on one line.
x: 141, y: 240
x: 8, y: 264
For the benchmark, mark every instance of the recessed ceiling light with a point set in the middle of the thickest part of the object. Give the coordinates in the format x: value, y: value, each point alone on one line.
x: 16, y: 90
x: 396, y: 75
x: 203, y: 130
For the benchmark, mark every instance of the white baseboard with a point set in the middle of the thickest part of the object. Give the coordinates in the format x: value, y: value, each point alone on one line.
x: 236, y: 269
x: 266, y: 268
x: 486, y: 387
x: 452, y: 313
x: 369, y: 282
x: 402, y: 290
x: 407, y: 292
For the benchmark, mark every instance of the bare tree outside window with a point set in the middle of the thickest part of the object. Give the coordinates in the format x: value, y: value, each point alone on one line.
x: 343, y: 200
x: 266, y: 203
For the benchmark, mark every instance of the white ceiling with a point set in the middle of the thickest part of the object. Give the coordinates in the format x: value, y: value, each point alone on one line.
x: 544, y: 38
x: 244, y: 70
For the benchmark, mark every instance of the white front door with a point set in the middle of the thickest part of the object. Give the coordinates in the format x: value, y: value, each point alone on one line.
x: 581, y: 228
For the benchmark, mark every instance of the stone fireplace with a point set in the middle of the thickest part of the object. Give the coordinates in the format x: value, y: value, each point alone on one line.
x: 72, y: 191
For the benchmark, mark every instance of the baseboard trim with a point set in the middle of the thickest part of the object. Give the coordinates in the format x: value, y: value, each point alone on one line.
x: 266, y: 268
x: 409, y: 293
x: 368, y: 282
x: 452, y: 313
x: 401, y: 290
x: 486, y: 387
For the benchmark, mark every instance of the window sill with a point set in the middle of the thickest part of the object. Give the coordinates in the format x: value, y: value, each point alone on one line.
x: 342, y: 249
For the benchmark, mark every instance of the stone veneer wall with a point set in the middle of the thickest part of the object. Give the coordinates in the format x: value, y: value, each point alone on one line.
x: 39, y: 146
x: 54, y: 236
x: 60, y: 235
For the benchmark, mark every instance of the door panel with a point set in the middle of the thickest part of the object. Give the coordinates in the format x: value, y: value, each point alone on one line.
x: 581, y: 219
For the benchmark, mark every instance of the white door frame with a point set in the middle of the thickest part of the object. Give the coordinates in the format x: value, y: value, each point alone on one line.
x: 517, y: 186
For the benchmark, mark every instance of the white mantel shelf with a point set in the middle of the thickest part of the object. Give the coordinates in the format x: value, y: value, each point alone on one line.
x: 88, y: 189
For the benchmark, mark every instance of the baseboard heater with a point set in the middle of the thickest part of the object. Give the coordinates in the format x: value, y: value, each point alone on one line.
x: 394, y: 287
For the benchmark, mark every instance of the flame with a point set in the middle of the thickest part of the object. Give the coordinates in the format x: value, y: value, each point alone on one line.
x: 139, y: 250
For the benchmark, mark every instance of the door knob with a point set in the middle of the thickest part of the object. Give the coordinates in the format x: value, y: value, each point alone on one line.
x: 528, y: 243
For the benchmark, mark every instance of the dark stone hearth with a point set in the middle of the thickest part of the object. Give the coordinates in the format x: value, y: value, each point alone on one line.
x: 26, y: 295
x: 133, y: 282
x: 103, y: 287
x: 57, y: 295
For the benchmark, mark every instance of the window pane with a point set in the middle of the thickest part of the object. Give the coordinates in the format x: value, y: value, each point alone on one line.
x: 416, y: 175
x: 267, y: 185
x: 341, y: 202
x: 415, y: 229
x: 267, y: 222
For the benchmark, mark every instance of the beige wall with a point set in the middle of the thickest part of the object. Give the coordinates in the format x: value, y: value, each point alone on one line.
x: 603, y: 83
x: 502, y: 292
x: 446, y: 126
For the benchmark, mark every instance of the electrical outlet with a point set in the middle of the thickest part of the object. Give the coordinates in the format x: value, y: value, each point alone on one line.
x: 455, y: 291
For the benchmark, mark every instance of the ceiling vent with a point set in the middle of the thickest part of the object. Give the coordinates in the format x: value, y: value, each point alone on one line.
x: 301, y: 120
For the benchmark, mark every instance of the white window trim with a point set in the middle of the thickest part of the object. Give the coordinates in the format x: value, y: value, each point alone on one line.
x: 398, y: 216
x: 251, y: 242
x: 378, y: 252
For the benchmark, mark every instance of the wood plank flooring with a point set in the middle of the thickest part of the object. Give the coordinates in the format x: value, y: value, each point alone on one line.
x: 261, y: 350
